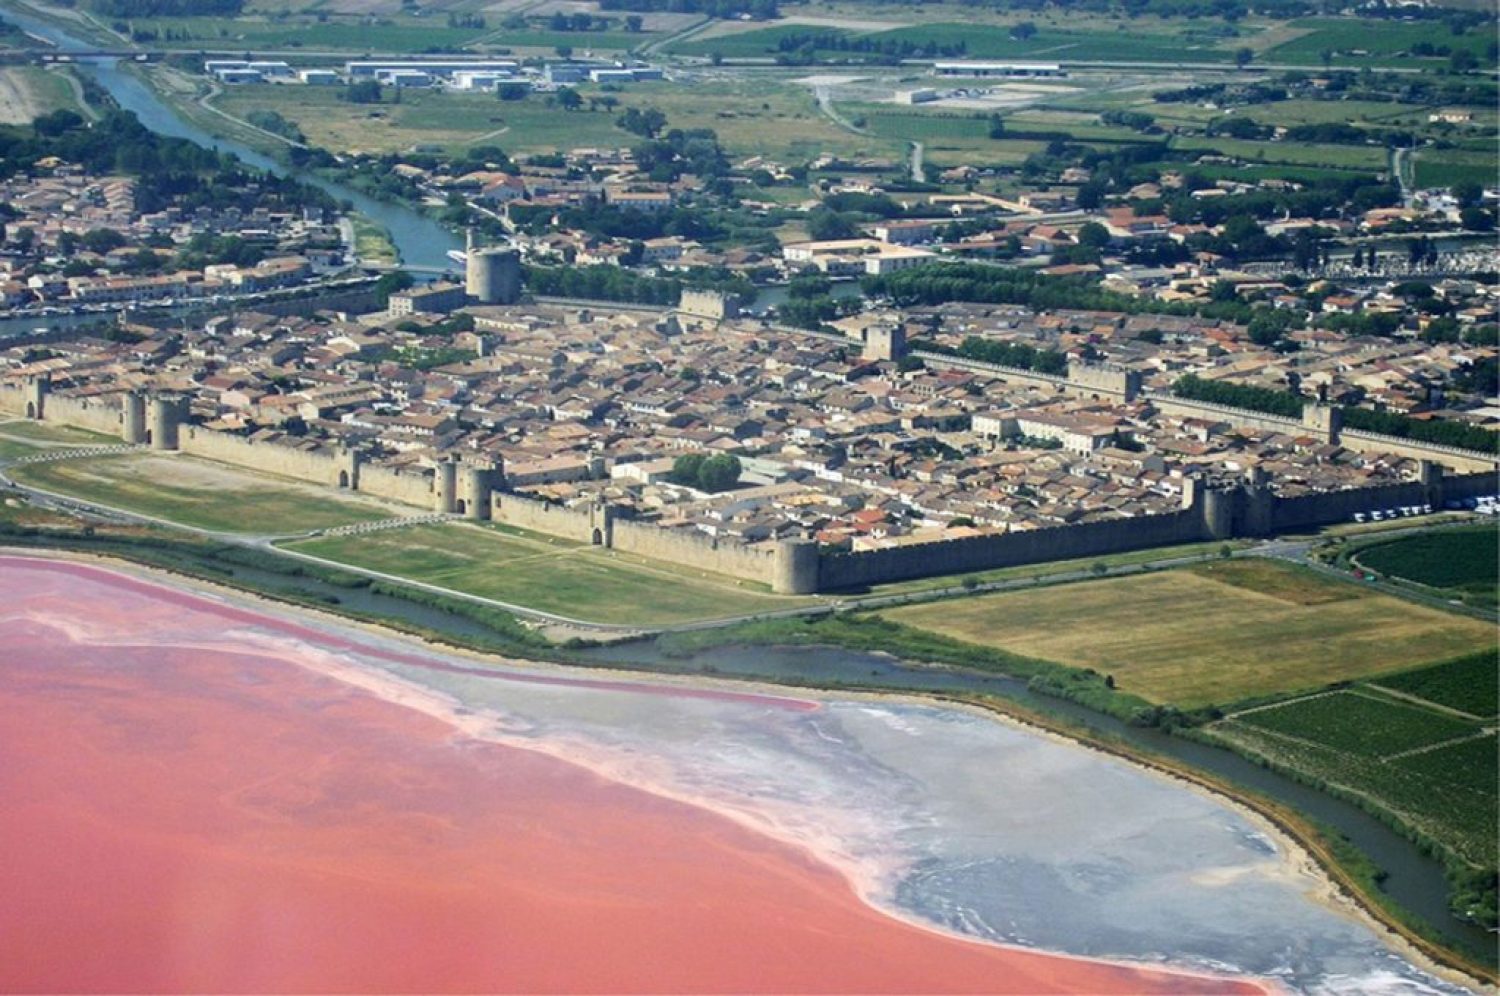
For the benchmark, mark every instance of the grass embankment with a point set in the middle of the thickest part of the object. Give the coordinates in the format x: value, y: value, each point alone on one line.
x: 372, y: 243
x: 548, y: 574
x: 200, y: 494
x: 487, y: 629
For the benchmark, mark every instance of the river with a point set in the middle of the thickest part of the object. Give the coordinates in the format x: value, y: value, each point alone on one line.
x: 420, y: 240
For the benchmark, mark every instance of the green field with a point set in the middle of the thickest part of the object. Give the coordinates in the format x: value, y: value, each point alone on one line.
x: 1464, y: 563
x: 1212, y: 634
x: 1435, y: 773
x: 396, y: 34
x: 1447, y: 559
x: 548, y: 574
x: 199, y: 493
x: 751, y: 116
x: 1367, y: 158
x: 1469, y: 684
x: 1447, y: 167
x: 1367, y: 41
x: 1356, y: 724
x: 980, y: 41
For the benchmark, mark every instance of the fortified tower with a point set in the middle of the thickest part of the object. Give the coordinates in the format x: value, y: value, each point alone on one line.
x: 493, y: 276
x: 1104, y: 380
x: 37, y: 389
x: 133, y: 418
x: 795, y: 571
x: 1323, y: 420
x: 884, y: 342
x: 476, y: 488
x: 445, y: 486
x: 168, y: 412
x: 348, y: 468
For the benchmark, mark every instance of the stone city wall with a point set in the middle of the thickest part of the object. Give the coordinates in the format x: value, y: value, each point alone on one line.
x: 97, y: 414
x: 698, y: 550
x: 555, y: 520
x: 312, y: 466
x: 409, y: 487
x: 902, y: 563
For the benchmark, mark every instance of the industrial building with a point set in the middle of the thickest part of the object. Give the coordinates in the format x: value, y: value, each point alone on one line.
x: 999, y: 70
x: 433, y: 67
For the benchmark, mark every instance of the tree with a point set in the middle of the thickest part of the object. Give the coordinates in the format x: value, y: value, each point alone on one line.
x: 633, y: 23
x: 392, y: 282
x: 1243, y: 57
x: 363, y: 92
x: 57, y: 122
x: 825, y: 225
x: 685, y: 469
x: 1467, y: 194
x: 1099, y: 568
x: 719, y: 473
x: 1093, y: 234
x: 1023, y: 31
x: 569, y: 100
x: 1327, y: 56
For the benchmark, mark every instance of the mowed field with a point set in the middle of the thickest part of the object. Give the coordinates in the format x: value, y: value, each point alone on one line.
x: 548, y: 574
x: 200, y: 493
x: 1211, y: 634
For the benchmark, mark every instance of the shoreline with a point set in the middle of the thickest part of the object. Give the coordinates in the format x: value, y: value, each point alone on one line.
x: 1299, y: 852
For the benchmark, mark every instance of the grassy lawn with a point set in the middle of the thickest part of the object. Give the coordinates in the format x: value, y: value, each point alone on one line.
x: 200, y: 493
x: 1216, y: 633
x: 50, y: 432
x: 548, y: 574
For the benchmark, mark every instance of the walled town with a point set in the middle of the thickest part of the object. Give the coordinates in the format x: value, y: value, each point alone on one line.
x: 879, y: 437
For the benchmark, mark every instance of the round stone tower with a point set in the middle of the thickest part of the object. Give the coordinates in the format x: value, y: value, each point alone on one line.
x: 168, y: 412
x: 476, y: 485
x: 796, y: 568
x: 493, y: 276
x: 1219, y: 511
x: 445, y: 486
x: 133, y: 418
